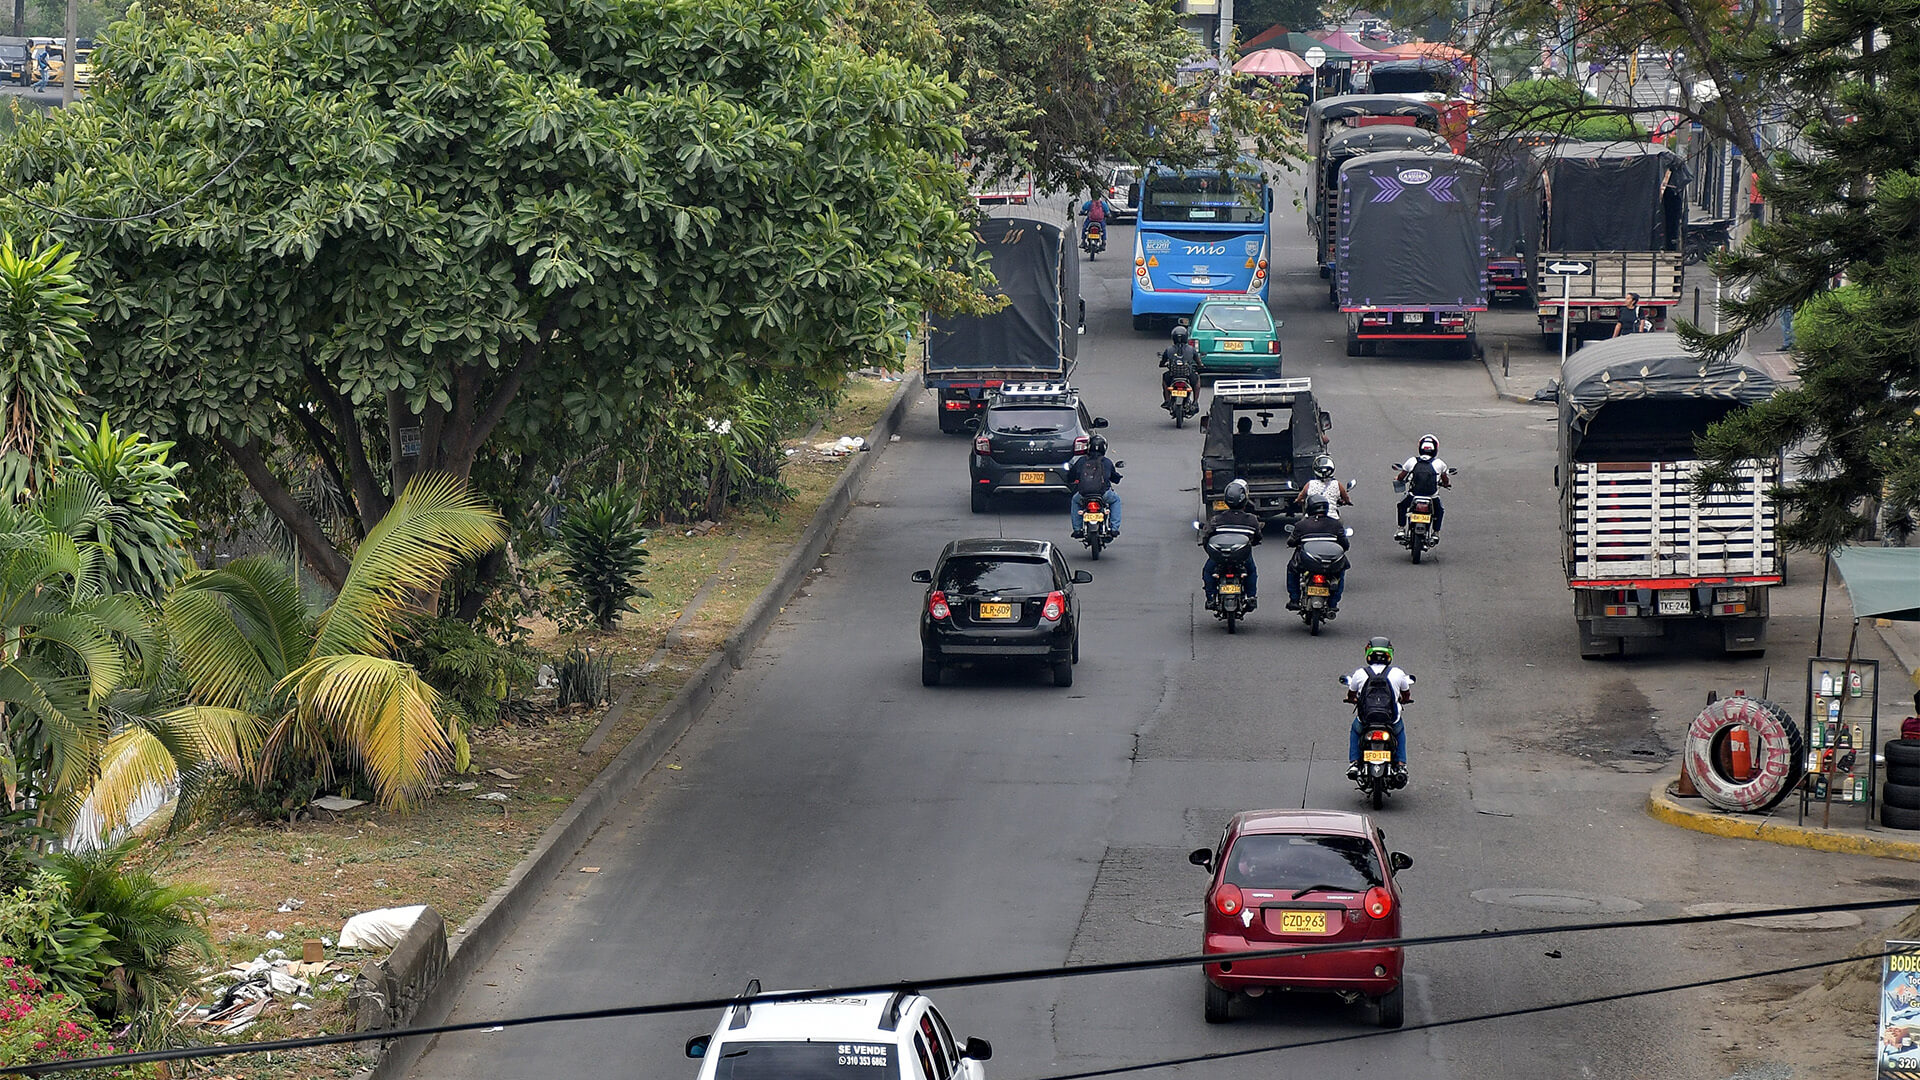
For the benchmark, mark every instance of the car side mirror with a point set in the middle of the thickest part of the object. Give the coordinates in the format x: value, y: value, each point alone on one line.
x: 1081, y: 577
x: 924, y: 577
x: 697, y: 1046
x: 1201, y: 857
x: 1400, y: 860
x: 1099, y: 421
x: 976, y: 1049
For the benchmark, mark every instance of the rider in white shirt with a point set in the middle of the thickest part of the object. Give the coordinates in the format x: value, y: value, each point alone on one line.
x: 1323, y: 484
x: 1425, y: 473
x: 1379, y: 661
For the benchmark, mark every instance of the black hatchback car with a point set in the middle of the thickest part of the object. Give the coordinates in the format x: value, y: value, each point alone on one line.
x: 1000, y: 600
x: 1026, y: 441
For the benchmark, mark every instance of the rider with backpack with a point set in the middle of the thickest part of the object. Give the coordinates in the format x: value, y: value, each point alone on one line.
x: 1424, y: 474
x: 1376, y: 690
x: 1093, y: 478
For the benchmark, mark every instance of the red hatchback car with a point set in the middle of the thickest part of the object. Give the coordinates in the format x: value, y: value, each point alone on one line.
x: 1283, y: 878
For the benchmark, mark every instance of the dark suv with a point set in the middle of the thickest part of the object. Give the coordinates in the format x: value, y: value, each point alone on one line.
x: 1000, y: 600
x: 1026, y: 441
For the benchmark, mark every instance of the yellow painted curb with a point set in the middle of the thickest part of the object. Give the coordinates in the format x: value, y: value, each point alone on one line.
x: 1662, y: 806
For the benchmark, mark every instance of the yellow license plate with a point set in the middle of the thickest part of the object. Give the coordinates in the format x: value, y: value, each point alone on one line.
x: 1094, y: 517
x: 1233, y: 346
x: 1033, y: 478
x: 1319, y: 590
x: 1229, y: 590
x: 1303, y: 922
x: 1219, y: 504
x: 1420, y: 519
x: 996, y: 611
x: 1376, y: 757
x: 1180, y: 393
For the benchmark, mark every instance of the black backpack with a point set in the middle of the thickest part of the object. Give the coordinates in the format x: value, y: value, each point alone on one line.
x: 1424, y: 479
x: 1377, y: 698
x: 1090, y: 476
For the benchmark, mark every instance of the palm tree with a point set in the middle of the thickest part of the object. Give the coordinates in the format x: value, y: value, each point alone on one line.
x: 43, y: 309
x: 248, y: 644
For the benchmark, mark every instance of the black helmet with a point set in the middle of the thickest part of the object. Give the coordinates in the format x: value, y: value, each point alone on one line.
x: 1097, y: 445
x: 1429, y: 447
x: 1236, y: 494
x: 1323, y: 466
x: 1379, y: 651
x: 1317, y: 506
x: 1180, y: 333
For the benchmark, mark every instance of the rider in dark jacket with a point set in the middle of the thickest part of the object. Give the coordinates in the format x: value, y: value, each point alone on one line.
x: 1181, y: 360
x: 1095, y: 476
x: 1235, y: 516
x: 1316, y: 525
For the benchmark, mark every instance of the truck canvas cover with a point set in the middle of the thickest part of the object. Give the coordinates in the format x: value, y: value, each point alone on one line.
x: 1609, y: 196
x: 1513, y: 198
x: 1285, y: 436
x: 1411, y: 232
x: 1038, y: 273
x: 1386, y: 109
x: 1352, y: 143
x: 1645, y: 367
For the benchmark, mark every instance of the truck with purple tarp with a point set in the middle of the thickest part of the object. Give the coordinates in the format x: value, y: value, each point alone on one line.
x: 1410, y: 254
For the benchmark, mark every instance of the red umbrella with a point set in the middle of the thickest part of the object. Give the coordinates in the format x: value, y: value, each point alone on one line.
x: 1271, y: 62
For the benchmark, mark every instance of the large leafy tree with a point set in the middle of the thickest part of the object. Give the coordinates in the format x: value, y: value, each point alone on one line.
x: 411, y: 235
x: 1847, y: 204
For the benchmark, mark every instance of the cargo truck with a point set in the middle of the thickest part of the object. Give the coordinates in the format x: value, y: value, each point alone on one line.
x: 1340, y: 148
x: 1410, y: 257
x: 1644, y: 553
x: 1034, y: 338
x: 1612, y: 217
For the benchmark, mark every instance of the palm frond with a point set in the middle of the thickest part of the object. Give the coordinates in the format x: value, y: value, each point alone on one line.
x: 239, y: 630
x: 132, y: 763
x: 384, y: 713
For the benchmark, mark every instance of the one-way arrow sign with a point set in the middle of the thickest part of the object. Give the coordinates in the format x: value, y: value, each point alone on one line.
x: 1570, y: 269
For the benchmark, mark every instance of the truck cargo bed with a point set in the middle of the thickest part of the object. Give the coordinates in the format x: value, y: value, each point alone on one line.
x: 1638, y: 523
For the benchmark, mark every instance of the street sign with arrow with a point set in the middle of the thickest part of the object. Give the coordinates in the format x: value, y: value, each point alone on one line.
x: 1570, y: 269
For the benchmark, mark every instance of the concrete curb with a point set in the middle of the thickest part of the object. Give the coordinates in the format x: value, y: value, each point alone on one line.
x: 502, y: 911
x: 1501, y: 389
x: 1663, y: 806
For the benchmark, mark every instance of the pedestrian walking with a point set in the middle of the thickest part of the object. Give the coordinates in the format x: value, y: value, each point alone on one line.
x: 44, y: 66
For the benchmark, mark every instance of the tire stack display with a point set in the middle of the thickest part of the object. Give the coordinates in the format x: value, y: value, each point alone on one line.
x: 1900, y: 794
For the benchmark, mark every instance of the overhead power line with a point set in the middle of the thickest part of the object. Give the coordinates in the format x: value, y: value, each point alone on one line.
x: 181, y: 201
x: 994, y: 978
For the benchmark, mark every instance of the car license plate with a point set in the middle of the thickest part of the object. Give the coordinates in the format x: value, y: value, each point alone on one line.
x: 1094, y: 517
x: 996, y: 611
x: 1413, y: 317
x: 1676, y: 601
x: 1234, y: 346
x: 1229, y: 590
x: 1303, y: 922
x: 1319, y: 590
x: 1420, y: 519
x: 1033, y: 478
x: 1376, y: 757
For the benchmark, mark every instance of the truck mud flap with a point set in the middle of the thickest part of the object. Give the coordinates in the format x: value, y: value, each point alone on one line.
x: 1744, y: 636
x: 1595, y: 646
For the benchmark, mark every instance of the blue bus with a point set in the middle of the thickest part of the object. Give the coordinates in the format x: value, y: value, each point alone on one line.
x: 1201, y: 233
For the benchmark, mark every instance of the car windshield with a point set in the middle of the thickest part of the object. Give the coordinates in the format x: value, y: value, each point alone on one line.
x: 995, y: 574
x: 806, y: 1061
x: 1031, y: 419
x: 1289, y: 861
x: 1234, y: 317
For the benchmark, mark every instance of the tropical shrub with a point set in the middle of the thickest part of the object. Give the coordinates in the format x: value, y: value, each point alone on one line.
x: 155, y: 934
x: 600, y: 538
x: 67, y: 948
x: 146, y: 543
x: 43, y: 314
x: 40, y: 1023
x: 472, y: 671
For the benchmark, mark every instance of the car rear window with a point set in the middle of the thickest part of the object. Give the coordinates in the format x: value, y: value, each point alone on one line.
x: 995, y: 574
x: 1031, y: 419
x: 1237, y: 317
x: 1291, y: 861
x: 806, y: 1061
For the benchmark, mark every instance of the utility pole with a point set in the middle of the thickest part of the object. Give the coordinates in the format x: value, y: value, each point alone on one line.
x: 1226, y: 37
x: 73, y: 52
x: 19, y: 18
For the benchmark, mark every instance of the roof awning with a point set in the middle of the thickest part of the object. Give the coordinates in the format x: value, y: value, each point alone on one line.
x: 1882, y: 582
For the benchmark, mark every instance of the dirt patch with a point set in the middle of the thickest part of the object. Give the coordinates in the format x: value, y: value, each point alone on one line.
x: 1618, y: 731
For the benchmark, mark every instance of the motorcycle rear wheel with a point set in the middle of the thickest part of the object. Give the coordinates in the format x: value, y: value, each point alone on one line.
x: 1094, y: 544
x: 1417, y: 545
x: 1379, y: 794
x: 1232, y: 621
x: 1179, y: 419
x: 1313, y: 623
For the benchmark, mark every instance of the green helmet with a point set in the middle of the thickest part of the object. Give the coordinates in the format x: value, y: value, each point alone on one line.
x: 1379, y: 651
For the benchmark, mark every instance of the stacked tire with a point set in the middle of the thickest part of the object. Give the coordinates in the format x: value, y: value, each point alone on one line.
x: 1779, y: 750
x: 1900, y: 795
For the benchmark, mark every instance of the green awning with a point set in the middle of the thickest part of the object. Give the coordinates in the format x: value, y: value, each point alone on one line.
x: 1883, y: 582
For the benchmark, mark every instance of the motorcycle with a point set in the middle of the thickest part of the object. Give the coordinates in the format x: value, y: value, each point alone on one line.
x: 1181, y: 401
x: 1096, y: 531
x: 1232, y: 549
x: 1377, y: 774
x: 1418, y: 536
x: 1323, y: 563
x: 1093, y: 240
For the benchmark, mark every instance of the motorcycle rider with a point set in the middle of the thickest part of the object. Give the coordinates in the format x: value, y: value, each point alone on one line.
x: 1237, y: 516
x: 1093, y: 478
x: 1378, y: 688
x: 1317, y: 525
x: 1425, y: 474
x: 1324, y: 485
x: 1181, y: 360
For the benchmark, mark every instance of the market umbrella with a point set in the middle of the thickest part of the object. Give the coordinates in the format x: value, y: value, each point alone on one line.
x: 1298, y: 44
x: 1882, y: 582
x: 1435, y: 50
x: 1342, y: 41
x: 1271, y: 62
x: 1263, y: 39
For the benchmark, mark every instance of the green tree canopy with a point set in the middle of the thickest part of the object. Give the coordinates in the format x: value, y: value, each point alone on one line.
x: 408, y: 235
x: 1558, y: 106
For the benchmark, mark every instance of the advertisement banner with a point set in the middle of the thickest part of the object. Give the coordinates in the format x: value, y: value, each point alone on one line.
x: 1899, y: 1054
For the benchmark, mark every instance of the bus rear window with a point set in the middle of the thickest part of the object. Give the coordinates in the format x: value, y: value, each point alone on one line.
x: 1204, y: 197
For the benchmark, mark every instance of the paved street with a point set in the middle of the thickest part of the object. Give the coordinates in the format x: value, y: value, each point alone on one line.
x: 833, y: 822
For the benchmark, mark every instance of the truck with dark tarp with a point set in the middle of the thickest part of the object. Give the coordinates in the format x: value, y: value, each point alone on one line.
x: 1513, y: 212
x: 1266, y: 432
x: 1644, y: 551
x: 1034, y: 338
x: 1340, y: 148
x: 1618, y: 210
x: 1410, y: 257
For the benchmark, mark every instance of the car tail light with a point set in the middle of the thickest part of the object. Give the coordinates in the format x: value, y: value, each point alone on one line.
x: 982, y: 445
x: 1273, y: 346
x: 1079, y: 444
x: 1226, y: 899
x: 1056, y: 606
x: 937, y: 605
x: 1379, y: 902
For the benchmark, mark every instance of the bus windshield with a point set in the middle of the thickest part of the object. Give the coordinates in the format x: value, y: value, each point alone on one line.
x: 1203, y: 198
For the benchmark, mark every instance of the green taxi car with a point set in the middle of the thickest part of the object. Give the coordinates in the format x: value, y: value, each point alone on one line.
x: 1236, y: 337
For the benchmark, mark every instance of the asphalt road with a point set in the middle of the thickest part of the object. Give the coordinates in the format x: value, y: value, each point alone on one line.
x: 833, y: 822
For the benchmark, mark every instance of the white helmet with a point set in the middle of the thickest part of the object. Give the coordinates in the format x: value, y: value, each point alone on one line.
x: 1429, y: 447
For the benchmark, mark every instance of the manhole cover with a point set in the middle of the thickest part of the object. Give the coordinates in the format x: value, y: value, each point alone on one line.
x: 1557, y: 900
x: 1811, y: 921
